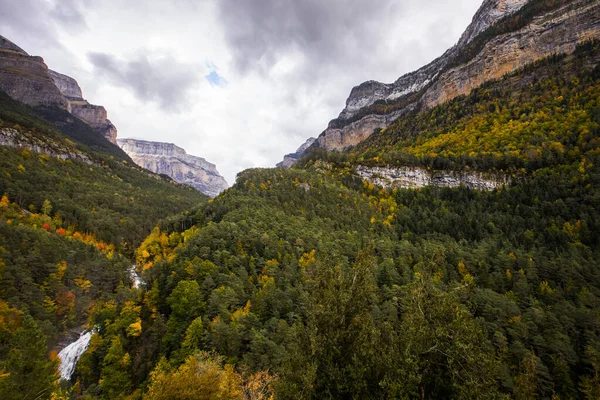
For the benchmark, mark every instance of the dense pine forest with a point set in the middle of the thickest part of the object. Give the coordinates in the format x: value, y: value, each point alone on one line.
x: 72, y: 214
x: 311, y: 282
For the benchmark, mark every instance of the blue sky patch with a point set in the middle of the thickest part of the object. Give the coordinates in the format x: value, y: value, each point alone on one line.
x: 215, y: 79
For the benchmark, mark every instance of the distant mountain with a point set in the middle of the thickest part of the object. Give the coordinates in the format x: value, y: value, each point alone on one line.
x: 173, y: 161
x: 291, y: 158
x: 504, y: 36
x: 27, y: 79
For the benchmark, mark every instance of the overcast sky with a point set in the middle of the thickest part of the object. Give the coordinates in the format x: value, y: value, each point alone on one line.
x: 238, y: 82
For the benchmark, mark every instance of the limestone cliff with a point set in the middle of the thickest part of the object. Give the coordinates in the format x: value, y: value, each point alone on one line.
x: 27, y: 79
x: 171, y: 160
x: 290, y: 159
x: 416, y: 178
x: 67, y: 85
x: 94, y: 116
x: 487, y: 50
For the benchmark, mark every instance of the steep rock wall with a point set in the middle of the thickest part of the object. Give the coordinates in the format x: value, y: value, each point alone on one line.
x: 67, y: 85
x: 27, y: 79
x: 415, y: 178
x: 290, y: 159
x: 94, y: 116
x: 171, y: 160
x: 556, y: 31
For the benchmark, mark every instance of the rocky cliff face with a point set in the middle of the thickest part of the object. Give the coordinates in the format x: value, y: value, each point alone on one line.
x: 168, y: 159
x: 94, y: 116
x: 556, y: 31
x: 415, y: 178
x: 290, y: 159
x: 10, y: 137
x: 27, y: 79
x: 559, y: 31
x: 490, y: 12
x: 67, y: 85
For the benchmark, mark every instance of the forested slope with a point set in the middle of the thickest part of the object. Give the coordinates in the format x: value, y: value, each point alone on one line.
x: 73, y: 207
x: 312, y: 283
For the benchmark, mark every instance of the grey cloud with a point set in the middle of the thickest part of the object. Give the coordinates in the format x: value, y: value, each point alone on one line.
x: 323, y: 30
x: 353, y: 36
x: 329, y: 46
x: 39, y: 20
x: 158, y: 78
x: 70, y: 14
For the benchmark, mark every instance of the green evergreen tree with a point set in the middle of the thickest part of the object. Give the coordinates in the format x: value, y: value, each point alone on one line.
x: 26, y: 372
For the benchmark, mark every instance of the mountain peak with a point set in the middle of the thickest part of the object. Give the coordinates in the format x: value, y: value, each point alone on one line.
x: 27, y: 79
x: 488, y: 49
x: 490, y: 12
x: 6, y: 44
x: 173, y: 161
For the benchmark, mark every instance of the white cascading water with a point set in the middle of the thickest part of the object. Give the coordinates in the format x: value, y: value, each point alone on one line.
x: 70, y: 355
x: 135, y: 278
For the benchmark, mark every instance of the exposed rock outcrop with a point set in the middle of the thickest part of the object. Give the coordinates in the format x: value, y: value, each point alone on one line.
x: 171, y: 160
x: 94, y: 116
x: 415, y: 178
x: 67, y: 85
x: 490, y: 12
x: 6, y: 44
x: 27, y: 79
x: 555, y: 31
x: 290, y: 159
x: 10, y: 137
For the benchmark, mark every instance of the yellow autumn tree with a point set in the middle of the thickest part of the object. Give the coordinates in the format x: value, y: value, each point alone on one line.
x: 201, y: 377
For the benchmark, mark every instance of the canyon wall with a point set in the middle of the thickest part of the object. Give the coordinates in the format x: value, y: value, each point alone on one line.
x: 27, y: 79
x: 416, y: 177
x: 374, y: 105
x: 173, y: 161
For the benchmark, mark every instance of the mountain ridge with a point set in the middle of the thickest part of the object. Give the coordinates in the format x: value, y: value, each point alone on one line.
x: 451, y: 255
x: 475, y: 59
x: 173, y: 161
x: 29, y: 80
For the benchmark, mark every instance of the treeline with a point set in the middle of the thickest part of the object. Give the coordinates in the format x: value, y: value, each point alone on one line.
x: 109, y: 196
x: 359, y: 292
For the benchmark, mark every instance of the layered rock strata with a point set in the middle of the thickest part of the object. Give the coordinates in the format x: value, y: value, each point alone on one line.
x: 94, y: 116
x: 10, y: 137
x: 173, y: 161
x: 290, y: 159
x: 557, y: 31
x: 27, y: 79
x: 415, y: 178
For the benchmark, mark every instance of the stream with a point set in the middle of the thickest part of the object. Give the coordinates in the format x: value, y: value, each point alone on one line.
x: 72, y: 352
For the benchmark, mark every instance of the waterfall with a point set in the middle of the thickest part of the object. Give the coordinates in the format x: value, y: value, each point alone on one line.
x: 70, y: 355
x: 135, y: 278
